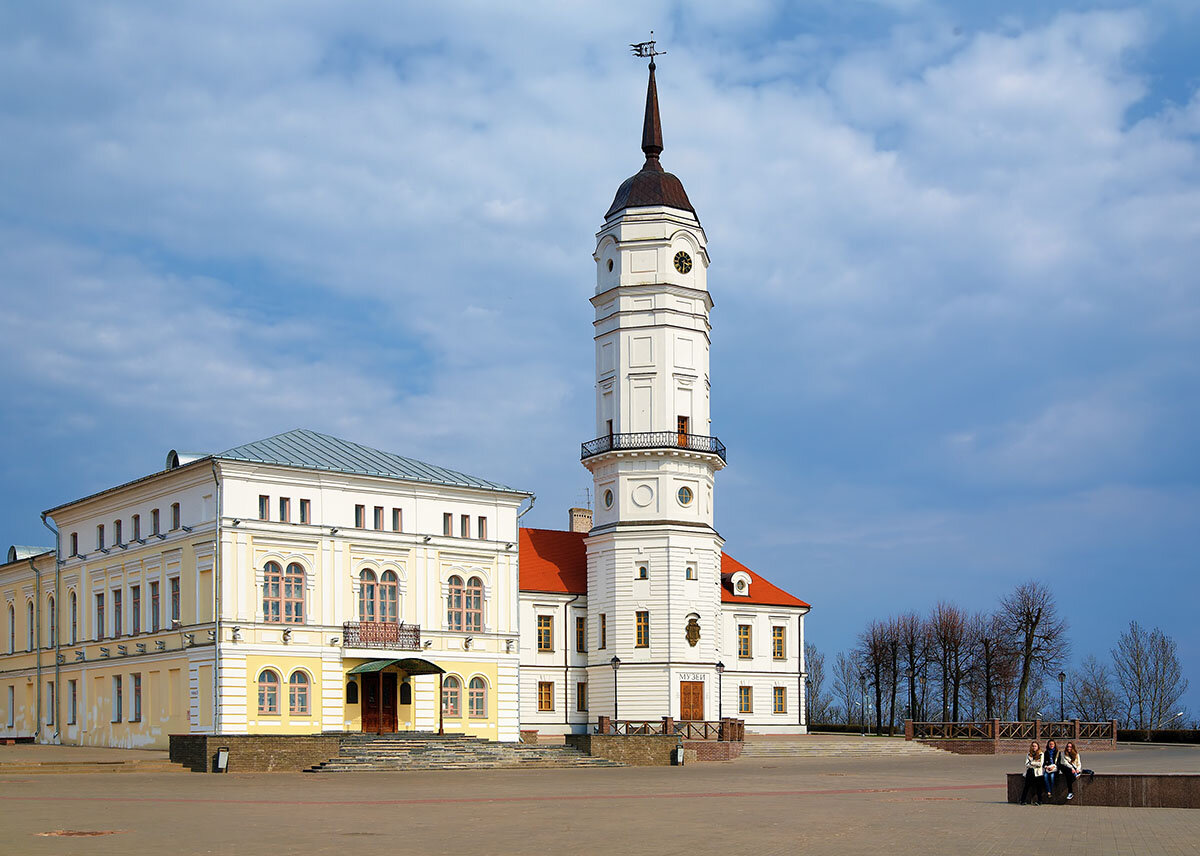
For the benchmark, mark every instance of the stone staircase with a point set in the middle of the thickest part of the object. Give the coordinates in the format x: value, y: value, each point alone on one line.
x: 833, y: 746
x: 414, y: 750
x: 90, y: 766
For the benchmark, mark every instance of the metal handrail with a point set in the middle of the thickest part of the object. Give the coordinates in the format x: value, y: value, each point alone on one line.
x: 653, y: 440
x: 381, y: 634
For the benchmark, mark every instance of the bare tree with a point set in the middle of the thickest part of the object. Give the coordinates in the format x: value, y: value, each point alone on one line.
x: 948, y: 626
x: 892, y: 637
x: 873, y: 655
x: 1149, y: 675
x: 911, y: 639
x: 1037, y: 635
x: 846, y: 685
x: 1092, y: 696
x: 819, y: 704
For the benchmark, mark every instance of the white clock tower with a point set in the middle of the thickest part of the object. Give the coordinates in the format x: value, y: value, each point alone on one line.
x: 653, y: 556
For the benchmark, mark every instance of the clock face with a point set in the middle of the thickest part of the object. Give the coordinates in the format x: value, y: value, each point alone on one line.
x: 683, y: 262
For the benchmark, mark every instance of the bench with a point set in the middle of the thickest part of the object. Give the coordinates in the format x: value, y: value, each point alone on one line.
x: 1129, y: 790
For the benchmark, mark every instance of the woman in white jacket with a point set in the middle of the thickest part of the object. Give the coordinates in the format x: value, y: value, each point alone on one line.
x: 1070, y: 764
x: 1033, y: 775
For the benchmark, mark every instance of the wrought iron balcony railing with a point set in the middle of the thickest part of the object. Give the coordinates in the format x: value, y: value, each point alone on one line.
x: 653, y: 440
x: 381, y: 634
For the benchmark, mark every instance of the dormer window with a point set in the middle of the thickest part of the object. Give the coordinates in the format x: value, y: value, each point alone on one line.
x: 739, y: 581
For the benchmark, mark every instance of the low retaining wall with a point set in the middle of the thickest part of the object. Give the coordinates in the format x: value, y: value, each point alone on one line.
x: 712, y: 750
x: 639, y: 750
x: 1009, y: 747
x: 1128, y: 790
x: 254, y: 753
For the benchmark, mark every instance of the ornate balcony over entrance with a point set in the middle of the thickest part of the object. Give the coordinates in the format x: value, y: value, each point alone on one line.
x: 653, y: 440
x: 381, y: 634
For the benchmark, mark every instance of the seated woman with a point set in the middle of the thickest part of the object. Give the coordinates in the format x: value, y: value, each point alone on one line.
x: 1050, y: 762
x: 1070, y: 764
x: 1033, y: 775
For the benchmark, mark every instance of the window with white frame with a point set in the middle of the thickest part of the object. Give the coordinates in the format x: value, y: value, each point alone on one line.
x: 118, y: 699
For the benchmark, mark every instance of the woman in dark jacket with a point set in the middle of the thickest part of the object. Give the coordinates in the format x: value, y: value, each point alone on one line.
x: 1050, y: 762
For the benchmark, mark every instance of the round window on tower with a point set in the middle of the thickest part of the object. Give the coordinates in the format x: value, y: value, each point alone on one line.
x: 610, y: 265
x: 608, y: 499
x: 685, y: 496
x: 683, y: 262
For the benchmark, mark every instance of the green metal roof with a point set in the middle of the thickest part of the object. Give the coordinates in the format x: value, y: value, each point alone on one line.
x: 412, y: 665
x: 312, y: 450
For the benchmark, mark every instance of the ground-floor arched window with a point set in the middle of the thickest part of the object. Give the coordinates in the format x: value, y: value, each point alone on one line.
x: 268, y: 691
x: 298, y: 693
x: 477, y: 698
x: 451, y: 695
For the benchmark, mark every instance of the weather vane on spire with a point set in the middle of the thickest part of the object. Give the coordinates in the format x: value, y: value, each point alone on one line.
x: 646, y: 49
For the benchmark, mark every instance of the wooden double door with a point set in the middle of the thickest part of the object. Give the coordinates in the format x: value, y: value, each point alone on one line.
x: 379, y: 702
x: 691, y: 700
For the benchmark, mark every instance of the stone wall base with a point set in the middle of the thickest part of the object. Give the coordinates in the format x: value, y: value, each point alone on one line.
x: 1010, y: 747
x: 254, y: 753
x: 712, y: 750
x: 1128, y: 790
x: 639, y: 750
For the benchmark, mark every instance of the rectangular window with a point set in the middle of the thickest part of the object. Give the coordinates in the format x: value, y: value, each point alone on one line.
x: 397, y: 520
x: 379, y: 517
x: 100, y: 616
x: 447, y: 523
x: 360, y: 517
x: 778, y: 643
x: 100, y: 537
x: 745, y: 652
x: 118, y: 699
x: 49, y: 702
x: 464, y: 526
x: 545, y: 695
x: 12, y: 704
x: 306, y: 511
x: 603, y: 631
x: 643, y: 629
x: 481, y: 529
x: 72, y: 702
x: 74, y: 619
x: 745, y: 700
x: 136, y: 700
x: 136, y: 525
x: 285, y: 509
x: 581, y: 696
x: 545, y: 633
x: 580, y: 633
x: 176, y: 518
x: 264, y: 507
x: 154, y: 522
x: 154, y: 607
x: 135, y: 608
x: 780, y: 705
x: 117, y: 533
x: 174, y: 584
x: 118, y: 617
x: 74, y: 543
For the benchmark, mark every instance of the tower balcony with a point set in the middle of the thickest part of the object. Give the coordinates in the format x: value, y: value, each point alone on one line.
x: 653, y: 440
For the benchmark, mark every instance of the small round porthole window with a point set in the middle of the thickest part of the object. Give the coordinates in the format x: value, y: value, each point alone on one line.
x: 610, y: 265
x: 685, y: 496
x: 741, y: 585
x: 608, y: 499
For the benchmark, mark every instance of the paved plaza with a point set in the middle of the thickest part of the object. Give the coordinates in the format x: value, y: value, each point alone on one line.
x: 937, y: 804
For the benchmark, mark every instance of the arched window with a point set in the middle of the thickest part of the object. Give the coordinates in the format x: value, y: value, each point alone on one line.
x: 451, y: 695
x: 74, y: 619
x: 12, y: 629
x: 352, y: 692
x: 298, y: 694
x: 474, y: 605
x: 477, y: 698
x: 31, y: 641
x: 389, y: 597
x: 268, y: 692
x: 53, y: 622
x: 366, y: 595
x: 454, y: 603
x: 283, y: 594
x: 406, y: 692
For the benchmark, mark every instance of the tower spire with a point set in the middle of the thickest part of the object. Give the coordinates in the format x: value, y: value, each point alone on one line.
x: 652, y: 143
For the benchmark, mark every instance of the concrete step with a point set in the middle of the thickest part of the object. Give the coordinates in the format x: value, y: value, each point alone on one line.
x: 425, y: 751
x: 63, y: 767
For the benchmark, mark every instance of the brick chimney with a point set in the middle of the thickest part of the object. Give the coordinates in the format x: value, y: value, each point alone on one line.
x: 581, y: 519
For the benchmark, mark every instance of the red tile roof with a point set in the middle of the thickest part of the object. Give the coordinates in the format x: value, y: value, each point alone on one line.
x: 555, y: 561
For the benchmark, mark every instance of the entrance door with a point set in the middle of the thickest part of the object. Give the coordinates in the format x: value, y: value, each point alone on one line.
x: 691, y: 700
x: 378, y: 702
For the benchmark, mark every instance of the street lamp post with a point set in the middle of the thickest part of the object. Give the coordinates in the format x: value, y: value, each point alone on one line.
x: 921, y: 678
x: 615, y: 662
x: 1062, y: 705
x: 720, y: 690
x: 912, y: 695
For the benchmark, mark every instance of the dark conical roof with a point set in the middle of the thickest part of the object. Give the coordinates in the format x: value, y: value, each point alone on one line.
x: 651, y: 185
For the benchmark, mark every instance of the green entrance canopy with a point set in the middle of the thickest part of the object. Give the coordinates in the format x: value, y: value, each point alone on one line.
x: 412, y: 665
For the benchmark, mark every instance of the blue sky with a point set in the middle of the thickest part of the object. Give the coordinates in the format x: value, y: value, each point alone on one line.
x: 955, y: 251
